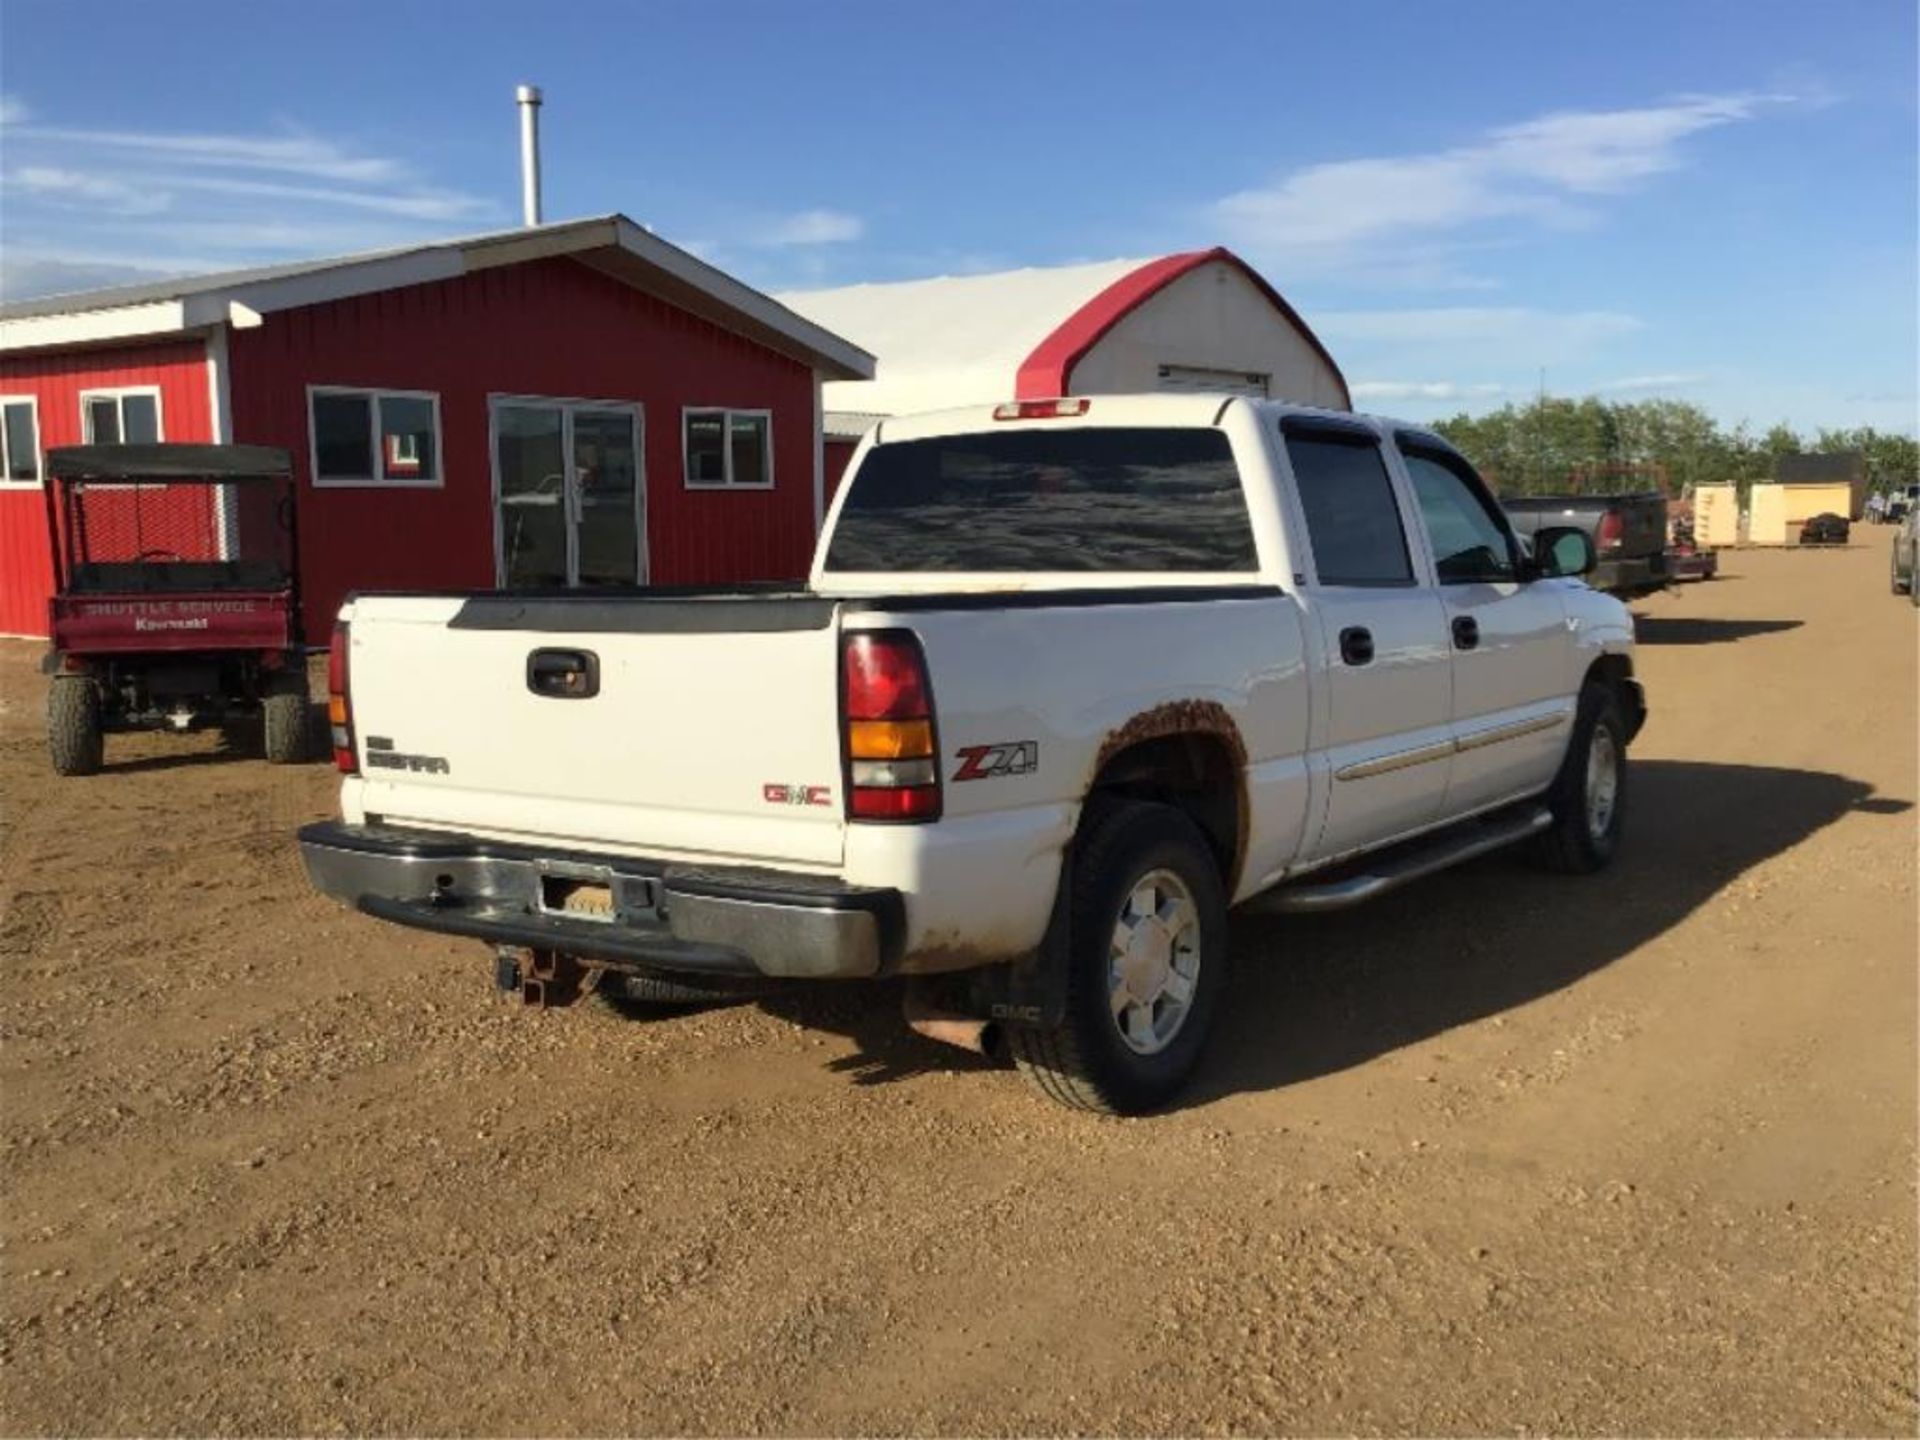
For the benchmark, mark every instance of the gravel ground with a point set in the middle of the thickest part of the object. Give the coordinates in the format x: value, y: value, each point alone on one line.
x: 1506, y: 1152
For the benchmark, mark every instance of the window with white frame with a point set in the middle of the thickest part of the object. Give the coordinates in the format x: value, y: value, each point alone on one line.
x: 729, y: 449
x: 19, y: 440
x: 129, y: 416
x: 374, y: 437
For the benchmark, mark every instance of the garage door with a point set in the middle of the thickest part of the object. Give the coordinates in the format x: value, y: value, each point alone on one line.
x: 1219, y: 382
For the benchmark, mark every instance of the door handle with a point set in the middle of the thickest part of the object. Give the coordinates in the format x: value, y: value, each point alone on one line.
x: 564, y: 674
x: 1356, y: 645
x: 1466, y: 632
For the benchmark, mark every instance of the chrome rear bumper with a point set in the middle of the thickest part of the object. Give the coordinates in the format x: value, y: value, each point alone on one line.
x: 648, y: 914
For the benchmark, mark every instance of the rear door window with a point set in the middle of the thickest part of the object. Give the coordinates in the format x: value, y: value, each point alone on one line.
x: 1353, y: 521
x: 1034, y: 501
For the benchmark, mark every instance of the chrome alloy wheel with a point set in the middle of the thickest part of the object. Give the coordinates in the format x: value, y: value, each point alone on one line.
x: 1603, y: 781
x: 1153, y: 961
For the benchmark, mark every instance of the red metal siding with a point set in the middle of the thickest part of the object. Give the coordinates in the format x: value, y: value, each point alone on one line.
x: 177, y: 367
x: 838, y: 454
x: 552, y: 328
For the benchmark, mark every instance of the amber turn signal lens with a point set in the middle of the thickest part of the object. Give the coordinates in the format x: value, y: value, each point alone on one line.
x: 889, y: 739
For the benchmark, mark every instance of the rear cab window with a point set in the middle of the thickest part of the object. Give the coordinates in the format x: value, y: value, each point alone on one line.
x: 1354, y: 526
x: 1119, y: 499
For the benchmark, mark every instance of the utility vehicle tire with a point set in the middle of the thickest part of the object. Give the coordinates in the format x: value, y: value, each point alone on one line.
x: 638, y: 991
x: 1589, y: 796
x: 73, y: 725
x: 1146, y: 964
x: 285, y: 718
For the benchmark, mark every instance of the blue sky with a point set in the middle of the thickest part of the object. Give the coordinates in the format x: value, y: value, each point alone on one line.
x: 1713, y: 201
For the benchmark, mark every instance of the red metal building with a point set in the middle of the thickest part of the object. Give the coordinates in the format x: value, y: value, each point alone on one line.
x: 570, y: 404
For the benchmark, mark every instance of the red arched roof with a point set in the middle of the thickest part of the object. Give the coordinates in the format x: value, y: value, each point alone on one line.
x: 1045, y: 372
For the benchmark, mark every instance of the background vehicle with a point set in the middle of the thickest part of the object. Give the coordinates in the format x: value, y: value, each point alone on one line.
x: 1629, y: 534
x: 174, y: 596
x: 1687, y: 560
x: 1070, y: 678
x: 1906, y: 542
x: 1825, y: 528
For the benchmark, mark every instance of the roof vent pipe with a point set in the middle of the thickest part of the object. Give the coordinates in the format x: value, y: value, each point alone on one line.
x: 529, y: 99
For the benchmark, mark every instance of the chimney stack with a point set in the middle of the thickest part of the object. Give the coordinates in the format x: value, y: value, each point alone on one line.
x: 529, y: 98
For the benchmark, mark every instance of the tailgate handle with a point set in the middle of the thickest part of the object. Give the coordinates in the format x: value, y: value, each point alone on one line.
x: 564, y: 674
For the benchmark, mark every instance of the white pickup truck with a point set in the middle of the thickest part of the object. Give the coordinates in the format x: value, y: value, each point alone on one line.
x: 1068, y: 680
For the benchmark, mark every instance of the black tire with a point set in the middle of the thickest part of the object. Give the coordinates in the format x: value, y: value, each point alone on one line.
x: 1573, y: 845
x: 73, y: 725
x: 284, y: 716
x: 1084, y: 1062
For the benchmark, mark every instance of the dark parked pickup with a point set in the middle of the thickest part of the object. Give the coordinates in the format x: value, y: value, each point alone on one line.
x: 1629, y: 534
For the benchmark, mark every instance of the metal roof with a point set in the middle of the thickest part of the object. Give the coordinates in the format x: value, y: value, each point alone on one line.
x: 967, y: 338
x: 612, y: 243
x: 849, y: 424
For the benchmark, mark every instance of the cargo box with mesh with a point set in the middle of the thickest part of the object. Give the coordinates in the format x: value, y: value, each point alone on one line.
x: 175, y: 602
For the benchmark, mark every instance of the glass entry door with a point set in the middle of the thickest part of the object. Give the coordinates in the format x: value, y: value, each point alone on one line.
x: 568, y: 495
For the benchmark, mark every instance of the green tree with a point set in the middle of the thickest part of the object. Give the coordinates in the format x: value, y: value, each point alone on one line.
x: 1552, y: 444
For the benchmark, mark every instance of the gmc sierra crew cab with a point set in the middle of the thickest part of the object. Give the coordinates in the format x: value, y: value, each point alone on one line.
x: 1069, y: 679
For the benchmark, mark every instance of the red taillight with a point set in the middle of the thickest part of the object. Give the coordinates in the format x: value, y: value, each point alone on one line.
x: 1042, y: 409
x: 1609, y: 534
x: 893, y: 768
x: 339, y: 708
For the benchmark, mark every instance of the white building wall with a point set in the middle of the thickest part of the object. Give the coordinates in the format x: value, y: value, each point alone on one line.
x: 1211, y: 318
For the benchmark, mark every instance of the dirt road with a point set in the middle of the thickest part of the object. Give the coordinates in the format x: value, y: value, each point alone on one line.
x: 1508, y: 1152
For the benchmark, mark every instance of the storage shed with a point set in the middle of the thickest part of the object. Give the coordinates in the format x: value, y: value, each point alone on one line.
x: 1201, y: 320
x: 1779, y: 509
x: 574, y: 404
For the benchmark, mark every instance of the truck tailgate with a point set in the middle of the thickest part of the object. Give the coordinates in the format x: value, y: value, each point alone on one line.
x: 712, y: 729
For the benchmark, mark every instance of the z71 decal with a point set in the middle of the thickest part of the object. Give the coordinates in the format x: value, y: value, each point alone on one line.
x: 989, y: 762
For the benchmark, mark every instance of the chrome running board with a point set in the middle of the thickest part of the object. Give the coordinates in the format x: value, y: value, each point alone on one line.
x: 1413, y: 861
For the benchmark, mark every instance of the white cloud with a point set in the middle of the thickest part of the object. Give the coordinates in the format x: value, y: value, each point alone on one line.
x: 184, y: 202
x: 1672, y: 380
x: 1360, y: 215
x: 13, y: 110
x: 284, y: 154
x: 812, y: 227
x: 1423, y: 390
x: 1557, y: 331
x: 107, y: 192
x: 23, y: 276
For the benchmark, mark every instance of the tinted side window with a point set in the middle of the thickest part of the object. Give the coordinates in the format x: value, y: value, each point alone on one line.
x: 1352, y: 520
x: 1047, y: 500
x: 1469, y: 542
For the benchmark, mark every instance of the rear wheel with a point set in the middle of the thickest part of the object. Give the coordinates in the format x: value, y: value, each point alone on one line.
x: 1589, y: 796
x: 1146, y: 963
x: 73, y: 725
x: 284, y: 718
